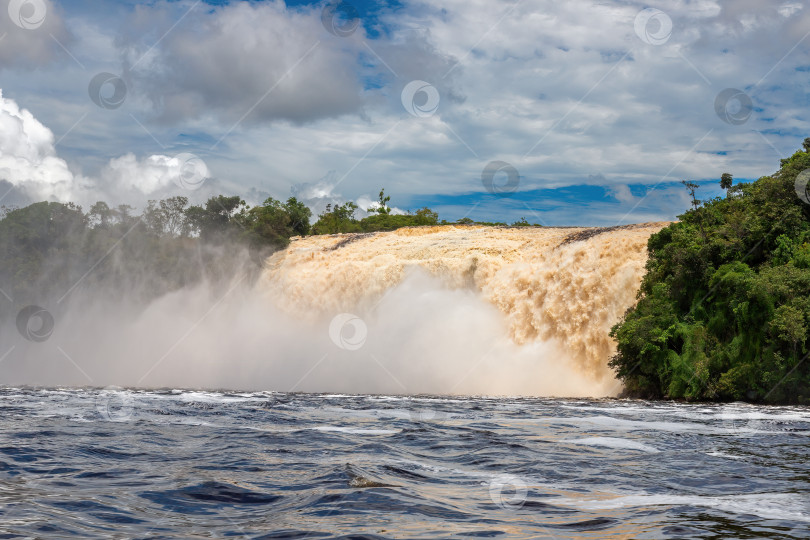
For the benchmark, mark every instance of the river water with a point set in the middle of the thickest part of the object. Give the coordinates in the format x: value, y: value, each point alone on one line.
x: 101, y: 463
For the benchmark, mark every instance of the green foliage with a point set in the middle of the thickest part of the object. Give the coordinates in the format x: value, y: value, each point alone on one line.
x: 299, y: 216
x: 162, y: 217
x: 390, y: 222
x: 469, y: 221
x: 724, y: 307
x: 383, y: 207
x: 50, y: 247
x: 216, y: 220
x: 339, y: 219
x: 726, y: 181
x: 273, y: 223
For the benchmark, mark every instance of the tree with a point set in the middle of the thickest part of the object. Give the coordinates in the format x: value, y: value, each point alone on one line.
x: 726, y: 180
x: 426, y: 216
x: 299, y: 216
x: 167, y: 217
x: 173, y: 210
x: 123, y: 215
x: 788, y: 324
x: 383, y: 207
x: 339, y: 219
x: 691, y: 187
x: 806, y: 144
x: 100, y: 215
x: 221, y: 217
x: 269, y: 224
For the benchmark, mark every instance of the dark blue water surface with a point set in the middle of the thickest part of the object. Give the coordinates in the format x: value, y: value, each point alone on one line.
x: 181, y: 464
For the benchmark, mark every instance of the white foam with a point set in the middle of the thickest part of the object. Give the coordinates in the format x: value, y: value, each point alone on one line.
x: 717, y: 453
x: 795, y: 417
x: 621, y: 424
x: 613, y: 442
x: 216, y: 397
x: 357, y: 431
x: 786, y: 506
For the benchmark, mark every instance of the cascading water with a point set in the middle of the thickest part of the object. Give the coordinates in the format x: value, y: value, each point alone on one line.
x: 558, y: 290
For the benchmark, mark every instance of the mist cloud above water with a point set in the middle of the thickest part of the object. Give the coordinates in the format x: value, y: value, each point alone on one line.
x: 421, y: 338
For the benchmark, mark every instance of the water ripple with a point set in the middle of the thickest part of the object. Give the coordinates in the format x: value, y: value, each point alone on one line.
x: 180, y: 464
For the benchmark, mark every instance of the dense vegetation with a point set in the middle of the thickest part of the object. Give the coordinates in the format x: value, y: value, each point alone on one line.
x: 724, y: 308
x: 50, y: 248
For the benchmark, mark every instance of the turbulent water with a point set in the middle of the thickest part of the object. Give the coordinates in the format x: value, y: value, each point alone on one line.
x: 558, y: 291
x: 78, y: 463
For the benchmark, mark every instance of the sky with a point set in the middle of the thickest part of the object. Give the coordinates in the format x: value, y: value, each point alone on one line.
x: 562, y: 113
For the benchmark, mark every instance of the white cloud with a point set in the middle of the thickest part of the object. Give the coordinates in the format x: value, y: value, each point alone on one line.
x: 622, y: 193
x: 28, y: 159
x: 151, y: 175
x: 29, y: 163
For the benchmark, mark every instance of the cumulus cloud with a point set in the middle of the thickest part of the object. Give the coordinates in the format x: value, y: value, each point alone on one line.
x: 30, y: 168
x: 28, y: 159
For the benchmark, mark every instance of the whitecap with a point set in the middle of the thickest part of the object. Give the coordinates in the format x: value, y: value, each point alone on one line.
x: 613, y: 442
